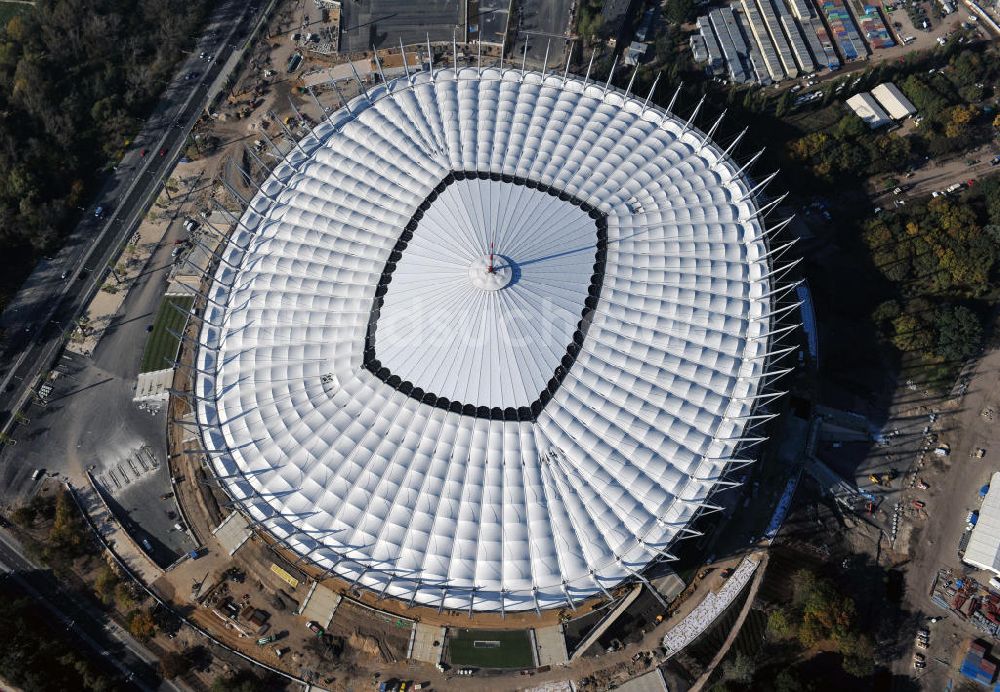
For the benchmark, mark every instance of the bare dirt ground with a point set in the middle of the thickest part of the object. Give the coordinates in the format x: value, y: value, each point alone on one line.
x: 938, y: 174
x: 928, y: 537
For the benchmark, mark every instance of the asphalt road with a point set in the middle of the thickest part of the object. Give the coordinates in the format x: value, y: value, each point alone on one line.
x: 90, y: 626
x: 56, y: 292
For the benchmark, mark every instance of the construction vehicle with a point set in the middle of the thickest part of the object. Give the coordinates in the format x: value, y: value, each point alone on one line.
x: 885, y: 479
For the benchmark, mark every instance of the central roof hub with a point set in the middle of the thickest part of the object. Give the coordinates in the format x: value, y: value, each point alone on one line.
x: 456, y: 323
x: 490, y: 272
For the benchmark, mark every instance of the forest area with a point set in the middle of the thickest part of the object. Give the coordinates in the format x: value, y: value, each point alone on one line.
x: 940, y: 257
x: 76, y: 80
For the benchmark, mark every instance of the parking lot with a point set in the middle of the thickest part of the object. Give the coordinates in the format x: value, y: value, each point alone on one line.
x: 539, y: 22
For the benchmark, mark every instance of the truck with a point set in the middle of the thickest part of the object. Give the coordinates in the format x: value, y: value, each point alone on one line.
x: 953, y: 188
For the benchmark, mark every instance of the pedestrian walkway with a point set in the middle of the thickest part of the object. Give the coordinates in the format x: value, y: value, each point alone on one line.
x: 713, y: 605
x: 116, y: 537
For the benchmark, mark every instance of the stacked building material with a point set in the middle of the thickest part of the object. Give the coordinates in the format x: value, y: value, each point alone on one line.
x: 846, y: 37
x: 976, y: 666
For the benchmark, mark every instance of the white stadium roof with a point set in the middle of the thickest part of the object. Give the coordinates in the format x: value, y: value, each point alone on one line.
x: 393, y: 410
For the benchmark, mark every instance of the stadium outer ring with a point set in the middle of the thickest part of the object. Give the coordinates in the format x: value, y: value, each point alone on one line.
x: 360, y: 572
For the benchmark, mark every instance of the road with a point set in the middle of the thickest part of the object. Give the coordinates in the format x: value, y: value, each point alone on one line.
x: 938, y: 175
x: 88, y: 624
x: 54, y: 295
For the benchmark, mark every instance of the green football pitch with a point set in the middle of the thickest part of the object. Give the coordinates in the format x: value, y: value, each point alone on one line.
x: 162, y: 346
x: 490, y: 648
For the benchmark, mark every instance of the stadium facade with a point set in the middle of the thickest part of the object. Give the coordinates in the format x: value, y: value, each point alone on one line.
x: 488, y: 340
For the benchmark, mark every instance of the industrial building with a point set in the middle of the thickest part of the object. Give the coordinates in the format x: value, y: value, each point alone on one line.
x: 797, y: 42
x: 712, y: 55
x: 763, y: 41
x: 734, y: 48
x: 893, y: 101
x: 869, y: 110
x: 816, y: 35
x: 758, y: 28
x: 778, y: 39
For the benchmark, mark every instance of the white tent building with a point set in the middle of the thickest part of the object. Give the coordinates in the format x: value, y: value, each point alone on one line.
x: 868, y: 109
x: 893, y: 101
x: 488, y: 340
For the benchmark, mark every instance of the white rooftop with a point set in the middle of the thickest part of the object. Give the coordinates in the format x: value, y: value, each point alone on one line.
x: 357, y: 341
x: 868, y: 109
x: 983, y: 550
x: 893, y: 101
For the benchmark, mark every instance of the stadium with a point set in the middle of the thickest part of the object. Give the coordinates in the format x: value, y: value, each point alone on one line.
x: 489, y: 339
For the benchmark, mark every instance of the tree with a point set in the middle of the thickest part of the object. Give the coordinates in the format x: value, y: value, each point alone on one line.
x: 858, y: 651
x: 779, y: 624
x: 240, y: 680
x: 910, y: 334
x: 67, y: 538
x: 789, y: 680
x: 125, y: 600
x: 959, y: 119
x: 105, y: 584
x: 783, y: 104
x: 803, y: 585
x: 174, y: 664
x: 680, y: 11
x: 738, y: 668
x: 141, y: 624
x: 959, y: 333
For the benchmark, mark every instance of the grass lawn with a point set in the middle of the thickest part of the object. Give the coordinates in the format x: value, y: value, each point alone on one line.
x: 9, y: 9
x: 495, y: 649
x: 163, y: 345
